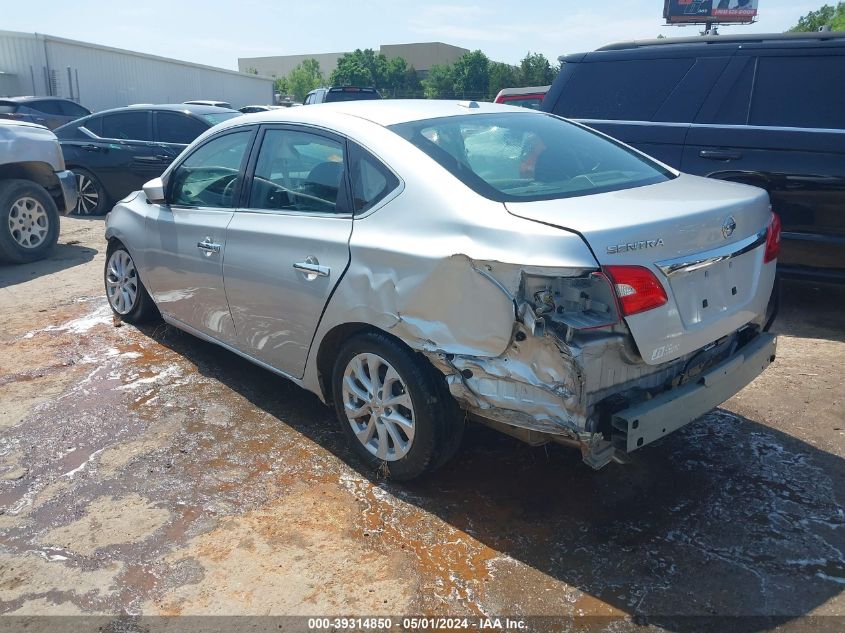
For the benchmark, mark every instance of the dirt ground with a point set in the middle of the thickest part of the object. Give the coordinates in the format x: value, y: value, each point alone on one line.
x: 143, y: 471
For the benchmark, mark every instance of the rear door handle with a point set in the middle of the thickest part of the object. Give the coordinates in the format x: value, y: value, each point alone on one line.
x: 90, y: 147
x: 208, y: 247
x: 312, y: 268
x: 147, y: 159
x: 718, y: 154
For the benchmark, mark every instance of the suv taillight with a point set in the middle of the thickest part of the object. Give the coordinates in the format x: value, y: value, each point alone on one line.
x: 637, y: 288
x: 772, y: 239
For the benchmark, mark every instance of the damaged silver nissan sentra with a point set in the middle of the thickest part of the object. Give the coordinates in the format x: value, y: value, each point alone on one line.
x: 418, y: 262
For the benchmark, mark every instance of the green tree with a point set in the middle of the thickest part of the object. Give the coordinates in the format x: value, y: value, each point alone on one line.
x: 501, y: 76
x: 303, y: 79
x: 361, y: 68
x: 438, y: 84
x: 834, y: 16
x: 535, y: 70
x: 471, y: 75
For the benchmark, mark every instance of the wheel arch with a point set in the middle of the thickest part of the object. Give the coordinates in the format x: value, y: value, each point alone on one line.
x: 40, y: 173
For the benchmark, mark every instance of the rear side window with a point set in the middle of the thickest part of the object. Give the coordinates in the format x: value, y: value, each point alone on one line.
x: 48, y: 106
x: 178, y: 128
x: 806, y: 92
x: 128, y: 126
x: 734, y: 109
x: 630, y: 90
x: 94, y: 125
x: 371, y: 180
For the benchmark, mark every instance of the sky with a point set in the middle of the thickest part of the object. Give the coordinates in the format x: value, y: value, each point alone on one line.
x: 217, y: 32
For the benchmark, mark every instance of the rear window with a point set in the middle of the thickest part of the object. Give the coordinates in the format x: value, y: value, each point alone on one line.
x: 8, y: 107
x: 528, y: 101
x: 631, y: 90
x: 175, y: 127
x: 519, y: 157
x: 351, y: 94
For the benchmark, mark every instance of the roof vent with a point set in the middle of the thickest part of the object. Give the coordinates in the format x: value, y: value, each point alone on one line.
x: 468, y: 104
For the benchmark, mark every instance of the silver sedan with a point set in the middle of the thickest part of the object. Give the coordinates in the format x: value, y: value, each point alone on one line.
x: 419, y: 263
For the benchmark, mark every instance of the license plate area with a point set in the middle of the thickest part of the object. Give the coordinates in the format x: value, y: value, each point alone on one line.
x: 706, y: 294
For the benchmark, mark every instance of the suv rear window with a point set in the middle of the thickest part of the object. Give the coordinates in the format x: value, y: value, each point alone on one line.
x: 351, y: 94
x: 519, y: 157
x: 631, y: 90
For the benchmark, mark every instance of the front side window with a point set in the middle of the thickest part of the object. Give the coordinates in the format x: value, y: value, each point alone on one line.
x: 69, y: 108
x: 48, y: 106
x: 807, y: 92
x: 298, y: 171
x: 174, y: 127
x: 524, y: 156
x: 209, y: 176
x: 129, y: 126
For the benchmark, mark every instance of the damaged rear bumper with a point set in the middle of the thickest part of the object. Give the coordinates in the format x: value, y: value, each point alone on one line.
x: 648, y: 421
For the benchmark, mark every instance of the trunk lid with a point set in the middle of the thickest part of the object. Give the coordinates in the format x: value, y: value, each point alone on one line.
x: 703, y: 239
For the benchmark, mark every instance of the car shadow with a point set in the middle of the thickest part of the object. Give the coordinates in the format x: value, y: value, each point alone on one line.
x: 811, y: 310
x: 727, y: 516
x: 62, y: 256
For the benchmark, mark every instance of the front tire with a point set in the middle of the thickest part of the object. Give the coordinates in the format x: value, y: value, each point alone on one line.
x: 127, y: 296
x: 93, y: 199
x: 394, y: 408
x: 29, y: 221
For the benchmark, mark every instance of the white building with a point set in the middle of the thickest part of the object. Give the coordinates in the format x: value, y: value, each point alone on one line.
x: 100, y: 77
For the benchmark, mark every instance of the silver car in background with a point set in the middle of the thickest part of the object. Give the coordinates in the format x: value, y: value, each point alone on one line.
x: 414, y: 263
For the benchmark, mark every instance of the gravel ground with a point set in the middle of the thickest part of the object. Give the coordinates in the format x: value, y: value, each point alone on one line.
x: 143, y: 471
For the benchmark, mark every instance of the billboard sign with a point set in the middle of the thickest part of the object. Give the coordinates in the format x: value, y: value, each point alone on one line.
x: 701, y: 11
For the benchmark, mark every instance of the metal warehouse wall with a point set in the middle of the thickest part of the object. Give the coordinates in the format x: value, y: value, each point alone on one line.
x: 100, y: 77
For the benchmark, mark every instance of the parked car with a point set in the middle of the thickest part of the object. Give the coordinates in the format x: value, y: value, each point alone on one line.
x: 529, y: 97
x: 258, y: 108
x: 47, y: 111
x: 340, y: 93
x: 116, y: 151
x: 767, y: 110
x: 216, y: 104
x: 593, y: 297
x: 35, y: 188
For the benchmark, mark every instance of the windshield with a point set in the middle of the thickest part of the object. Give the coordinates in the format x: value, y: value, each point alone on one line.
x: 518, y: 157
x: 219, y: 117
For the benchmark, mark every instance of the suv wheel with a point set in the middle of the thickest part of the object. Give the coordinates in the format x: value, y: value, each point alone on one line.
x: 92, y: 196
x: 394, y: 408
x: 29, y: 221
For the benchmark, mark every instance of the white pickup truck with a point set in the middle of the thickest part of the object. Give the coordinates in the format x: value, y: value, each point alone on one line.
x: 35, y: 188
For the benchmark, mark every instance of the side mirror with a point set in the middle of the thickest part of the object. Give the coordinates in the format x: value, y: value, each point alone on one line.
x: 154, y: 190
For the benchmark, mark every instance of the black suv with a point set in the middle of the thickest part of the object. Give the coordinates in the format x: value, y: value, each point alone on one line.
x: 340, y: 93
x: 114, y: 152
x: 767, y: 110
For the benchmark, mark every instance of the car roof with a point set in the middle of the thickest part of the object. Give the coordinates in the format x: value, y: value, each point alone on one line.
x: 187, y: 108
x: 382, y: 112
x: 29, y: 99
x: 747, y: 38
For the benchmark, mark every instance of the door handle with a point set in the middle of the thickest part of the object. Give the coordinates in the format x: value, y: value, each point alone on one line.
x: 90, y: 148
x: 312, y: 269
x: 208, y: 247
x: 717, y: 154
x: 147, y: 159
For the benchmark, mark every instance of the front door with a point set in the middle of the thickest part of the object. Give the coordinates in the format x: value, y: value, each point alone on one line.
x: 187, y: 237
x: 288, y: 247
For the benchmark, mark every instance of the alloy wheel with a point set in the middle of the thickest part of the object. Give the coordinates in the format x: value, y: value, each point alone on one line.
x: 29, y: 222
x: 121, y: 282
x: 378, y: 406
x: 89, y: 196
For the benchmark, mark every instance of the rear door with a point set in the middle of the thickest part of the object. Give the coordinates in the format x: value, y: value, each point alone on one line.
x: 641, y: 98
x: 288, y: 245
x: 777, y: 120
x: 186, y: 238
x: 125, y: 153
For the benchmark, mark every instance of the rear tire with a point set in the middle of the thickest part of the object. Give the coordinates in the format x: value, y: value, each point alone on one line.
x: 404, y: 422
x: 126, y: 293
x: 29, y: 221
x: 93, y: 199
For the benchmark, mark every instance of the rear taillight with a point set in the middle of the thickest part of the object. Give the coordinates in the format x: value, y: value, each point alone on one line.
x: 772, y: 239
x: 637, y: 288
